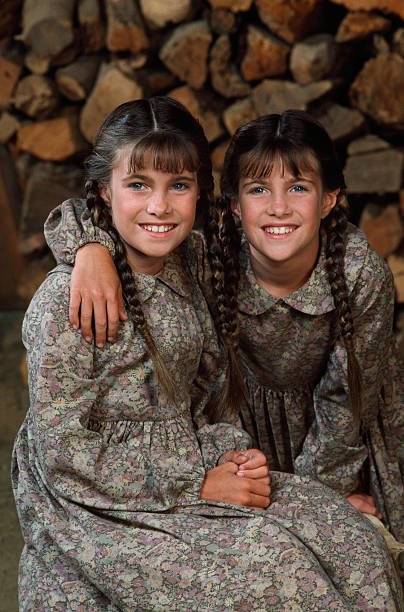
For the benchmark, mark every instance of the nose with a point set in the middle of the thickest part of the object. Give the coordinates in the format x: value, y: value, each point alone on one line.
x: 278, y: 205
x: 158, y: 204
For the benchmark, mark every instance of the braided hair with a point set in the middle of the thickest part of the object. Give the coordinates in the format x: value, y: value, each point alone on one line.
x: 164, y: 131
x: 299, y: 141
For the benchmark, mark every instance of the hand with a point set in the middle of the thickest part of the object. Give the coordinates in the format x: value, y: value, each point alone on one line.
x: 96, y: 291
x: 364, y: 503
x: 252, y: 462
x: 222, y: 484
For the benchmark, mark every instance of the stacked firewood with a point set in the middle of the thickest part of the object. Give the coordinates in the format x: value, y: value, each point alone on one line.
x: 65, y: 64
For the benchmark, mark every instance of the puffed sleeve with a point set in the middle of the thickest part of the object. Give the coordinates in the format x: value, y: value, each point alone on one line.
x: 75, y: 462
x: 69, y: 227
x: 333, y: 453
x: 214, y: 438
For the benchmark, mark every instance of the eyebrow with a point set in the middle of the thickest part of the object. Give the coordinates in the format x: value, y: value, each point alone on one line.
x: 264, y: 181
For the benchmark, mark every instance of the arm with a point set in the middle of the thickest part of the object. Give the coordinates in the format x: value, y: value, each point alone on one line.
x: 65, y: 388
x: 332, y: 452
x: 95, y: 286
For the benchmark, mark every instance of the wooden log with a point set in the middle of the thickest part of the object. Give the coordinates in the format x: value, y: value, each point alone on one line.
x: 55, y: 139
x: 387, y: 6
x: 225, y: 77
x: 8, y: 126
x: 9, y: 17
x: 111, y: 89
x: 11, y: 261
x: 292, y: 20
x: 91, y: 26
x: 159, y: 14
x: 9, y: 75
x: 47, y: 26
x: 265, y: 55
x: 76, y: 80
x: 238, y: 113
x: 185, y: 52
x: 36, y: 96
x: 358, y: 25
x: 235, y: 6
x: 125, y: 30
x: 209, y: 119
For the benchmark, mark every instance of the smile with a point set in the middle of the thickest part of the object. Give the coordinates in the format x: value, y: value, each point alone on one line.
x: 158, y: 229
x: 278, y: 230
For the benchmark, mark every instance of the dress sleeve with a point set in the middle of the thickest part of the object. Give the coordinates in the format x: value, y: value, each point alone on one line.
x: 332, y: 452
x: 214, y: 438
x: 69, y: 227
x: 73, y: 461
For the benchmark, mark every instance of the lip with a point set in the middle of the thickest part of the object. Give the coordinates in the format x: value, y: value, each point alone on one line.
x: 284, y: 234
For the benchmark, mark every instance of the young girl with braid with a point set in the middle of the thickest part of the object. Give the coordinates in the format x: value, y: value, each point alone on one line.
x: 129, y: 496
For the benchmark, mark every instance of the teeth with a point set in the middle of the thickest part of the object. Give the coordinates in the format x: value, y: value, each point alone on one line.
x: 159, y: 229
x: 279, y: 230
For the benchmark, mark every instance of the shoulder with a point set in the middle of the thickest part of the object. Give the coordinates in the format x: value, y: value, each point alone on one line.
x: 362, y: 263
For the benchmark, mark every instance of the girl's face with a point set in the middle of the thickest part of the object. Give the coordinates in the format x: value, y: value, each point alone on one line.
x: 153, y: 211
x: 281, y: 215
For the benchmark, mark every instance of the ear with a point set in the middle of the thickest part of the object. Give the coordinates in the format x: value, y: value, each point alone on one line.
x: 105, y: 193
x: 235, y: 206
x: 329, y: 201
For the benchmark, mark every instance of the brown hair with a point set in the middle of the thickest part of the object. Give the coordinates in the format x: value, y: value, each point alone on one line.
x: 164, y: 131
x: 297, y: 139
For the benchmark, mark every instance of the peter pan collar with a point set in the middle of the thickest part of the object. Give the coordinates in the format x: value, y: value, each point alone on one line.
x: 173, y: 275
x: 313, y: 298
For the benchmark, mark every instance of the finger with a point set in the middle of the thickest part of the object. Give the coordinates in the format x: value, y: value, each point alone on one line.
x: 113, y: 319
x: 86, y: 317
x: 259, y: 488
x: 255, y: 459
x: 121, y: 306
x: 259, y: 502
x: 260, y: 472
x: 100, y: 322
x: 74, y: 308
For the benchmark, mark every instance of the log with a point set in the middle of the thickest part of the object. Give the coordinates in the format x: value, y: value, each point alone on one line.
x: 313, y: 58
x: 76, y: 80
x: 36, y: 96
x: 235, y: 6
x: 55, y: 139
x: 9, y: 75
x: 11, y: 261
x: 292, y: 20
x: 8, y: 126
x: 360, y: 24
x: 383, y: 228
x: 209, y: 120
x: 375, y: 172
x: 9, y: 17
x: 387, y: 6
x: 159, y: 14
x: 125, y: 30
x: 265, y: 55
x: 185, y: 52
x: 111, y: 89
x: 91, y: 27
x: 225, y: 77
x: 47, y: 26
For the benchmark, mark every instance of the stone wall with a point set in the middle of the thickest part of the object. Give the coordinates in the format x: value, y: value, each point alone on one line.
x: 64, y: 65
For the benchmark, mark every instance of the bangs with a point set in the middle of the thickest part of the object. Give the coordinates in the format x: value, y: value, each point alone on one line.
x: 259, y: 162
x: 163, y: 151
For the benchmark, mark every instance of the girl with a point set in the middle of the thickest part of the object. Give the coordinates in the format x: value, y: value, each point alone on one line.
x: 128, y: 498
x: 305, y: 305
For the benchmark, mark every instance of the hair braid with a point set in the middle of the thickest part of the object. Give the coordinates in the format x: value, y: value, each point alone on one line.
x: 223, y: 244
x: 102, y: 218
x: 335, y: 225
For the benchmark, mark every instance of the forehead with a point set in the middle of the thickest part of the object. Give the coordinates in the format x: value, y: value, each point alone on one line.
x: 259, y: 163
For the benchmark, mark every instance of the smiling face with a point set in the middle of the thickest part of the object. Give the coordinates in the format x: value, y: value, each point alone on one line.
x: 153, y: 211
x: 281, y: 214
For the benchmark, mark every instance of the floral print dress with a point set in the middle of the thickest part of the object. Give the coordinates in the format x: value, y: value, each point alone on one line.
x: 107, y: 474
x: 296, y: 373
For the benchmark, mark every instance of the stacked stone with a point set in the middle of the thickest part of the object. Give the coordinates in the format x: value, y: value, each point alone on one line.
x: 65, y: 65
